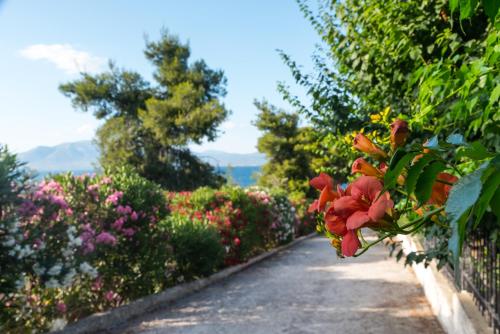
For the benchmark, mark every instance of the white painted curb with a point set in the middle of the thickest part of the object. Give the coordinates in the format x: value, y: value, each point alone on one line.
x: 101, y: 322
x: 454, y: 309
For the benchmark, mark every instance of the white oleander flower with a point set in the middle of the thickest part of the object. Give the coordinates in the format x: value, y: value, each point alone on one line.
x: 55, y: 270
x: 58, y: 324
x: 52, y: 283
x: 75, y: 242
x: 71, y: 231
x: 39, y: 270
x: 68, y: 278
x: 67, y: 252
x: 25, y: 252
x: 21, y: 282
x: 87, y: 269
x: 9, y: 242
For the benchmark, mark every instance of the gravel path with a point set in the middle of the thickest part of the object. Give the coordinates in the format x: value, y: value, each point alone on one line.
x: 304, y: 289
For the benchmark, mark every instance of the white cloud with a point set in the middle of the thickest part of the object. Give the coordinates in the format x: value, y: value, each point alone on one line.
x: 228, y: 125
x: 65, y: 57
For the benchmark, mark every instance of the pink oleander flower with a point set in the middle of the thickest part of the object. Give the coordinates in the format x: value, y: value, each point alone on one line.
x: 59, y: 201
x: 61, y: 307
x: 27, y: 208
x: 118, y: 224
x: 88, y: 247
x: 110, y: 295
x: 92, y: 188
x: 37, y: 243
x: 134, y: 216
x: 106, y: 180
x: 51, y: 186
x: 128, y: 232
x: 114, y: 198
x: 97, y: 284
x: 106, y: 238
x: 123, y: 210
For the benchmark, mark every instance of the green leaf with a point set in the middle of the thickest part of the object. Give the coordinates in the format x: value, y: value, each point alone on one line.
x: 396, y: 157
x: 467, y: 7
x: 423, y: 189
x: 495, y: 94
x: 395, y: 169
x: 432, y: 143
x: 475, y: 151
x: 455, y: 139
x: 491, y: 8
x: 453, y: 5
x: 494, y: 200
x: 490, y: 186
x: 457, y: 235
x: 415, y: 171
x: 463, y: 196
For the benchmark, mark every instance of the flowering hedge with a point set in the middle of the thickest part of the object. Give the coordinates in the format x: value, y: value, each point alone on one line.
x: 83, y: 244
x: 248, y: 220
x: 72, y: 246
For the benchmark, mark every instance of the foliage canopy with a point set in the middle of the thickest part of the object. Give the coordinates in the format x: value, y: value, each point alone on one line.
x: 148, y: 126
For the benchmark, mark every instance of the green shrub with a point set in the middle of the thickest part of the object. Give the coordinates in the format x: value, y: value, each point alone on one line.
x: 197, y: 249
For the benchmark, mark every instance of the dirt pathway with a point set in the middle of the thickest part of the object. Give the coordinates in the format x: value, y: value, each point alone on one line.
x: 304, y: 289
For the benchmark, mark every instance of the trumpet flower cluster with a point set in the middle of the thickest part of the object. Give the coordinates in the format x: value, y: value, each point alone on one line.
x: 366, y: 202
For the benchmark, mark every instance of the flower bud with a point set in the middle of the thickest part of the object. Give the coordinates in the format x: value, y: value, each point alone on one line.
x: 360, y: 165
x: 399, y: 133
x: 363, y: 144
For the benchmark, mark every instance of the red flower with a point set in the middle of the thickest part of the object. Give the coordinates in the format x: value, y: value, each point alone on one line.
x: 359, y: 206
x: 236, y: 241
x: 350, y: 243
x: 399, y: 133
x: 363, y: 144
x: 441, y: 190
x: 324, y: 183
x: 364, y: 206
x: 334, y: 223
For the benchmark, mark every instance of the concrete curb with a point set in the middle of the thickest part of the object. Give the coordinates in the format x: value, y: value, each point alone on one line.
x: 101, y: 322
x: 454, y: 309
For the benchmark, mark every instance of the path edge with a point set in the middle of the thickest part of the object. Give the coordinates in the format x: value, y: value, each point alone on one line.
x: 104, y: 321
x: 454, y: 309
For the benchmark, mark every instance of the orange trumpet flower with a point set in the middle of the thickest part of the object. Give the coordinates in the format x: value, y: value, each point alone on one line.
x: 363, y: 144
x: 399, y: 133
x: 360, y: 165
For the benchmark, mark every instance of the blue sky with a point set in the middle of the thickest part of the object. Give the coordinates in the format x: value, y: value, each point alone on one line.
x: 45, y: 43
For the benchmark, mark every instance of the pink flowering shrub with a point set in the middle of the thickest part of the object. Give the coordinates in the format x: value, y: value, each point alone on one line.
x: 85, y: 245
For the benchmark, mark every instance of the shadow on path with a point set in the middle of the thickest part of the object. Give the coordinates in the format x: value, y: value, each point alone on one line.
x: 305, y: 289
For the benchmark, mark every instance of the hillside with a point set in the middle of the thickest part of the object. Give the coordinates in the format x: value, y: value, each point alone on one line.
x: 82, y: 156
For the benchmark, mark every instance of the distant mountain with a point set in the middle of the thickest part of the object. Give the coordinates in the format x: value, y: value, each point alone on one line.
x: 82, y: 155
x: 76, y: 156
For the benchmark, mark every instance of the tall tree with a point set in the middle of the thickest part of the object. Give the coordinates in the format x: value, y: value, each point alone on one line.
x: 413, y: 56
x: 148, y: 126
x: 285, y: 144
